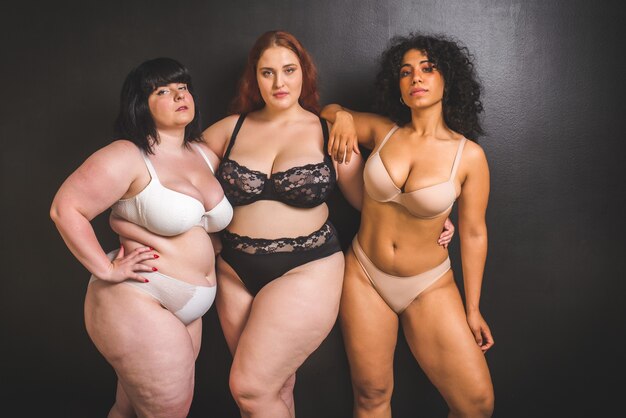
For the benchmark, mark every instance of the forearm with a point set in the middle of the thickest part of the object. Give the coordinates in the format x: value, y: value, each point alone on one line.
x: 473, y: 257
x: 329, y: 112
x: 81, y: 240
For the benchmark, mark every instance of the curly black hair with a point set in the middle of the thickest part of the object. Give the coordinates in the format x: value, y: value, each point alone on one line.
x: 461, y: 97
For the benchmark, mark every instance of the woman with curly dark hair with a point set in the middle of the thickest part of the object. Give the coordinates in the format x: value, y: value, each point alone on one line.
x: 429, y: 101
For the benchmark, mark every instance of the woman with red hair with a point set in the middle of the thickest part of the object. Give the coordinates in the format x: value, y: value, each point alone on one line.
x: 280, y: 271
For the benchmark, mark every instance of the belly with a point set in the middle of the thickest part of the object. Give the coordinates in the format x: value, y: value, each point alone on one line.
x: 397, y: 242
x: 270, y: 219
x: 188, y: 257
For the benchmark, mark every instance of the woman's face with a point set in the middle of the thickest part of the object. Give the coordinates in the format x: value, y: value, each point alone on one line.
x: 421, y: 84
x: 279, y: 77
x: 171, y: 106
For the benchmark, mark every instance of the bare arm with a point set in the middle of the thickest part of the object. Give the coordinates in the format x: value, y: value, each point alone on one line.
x: 350, y: 181
x: 217, y: 136
x: 98, y: 183
x: 351, y: 129
x: 473, y: 234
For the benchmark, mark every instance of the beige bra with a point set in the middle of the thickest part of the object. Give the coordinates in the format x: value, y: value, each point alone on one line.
x: 426, y: 202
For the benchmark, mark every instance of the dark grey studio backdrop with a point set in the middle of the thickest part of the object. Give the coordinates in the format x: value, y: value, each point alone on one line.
x: 554, y: 281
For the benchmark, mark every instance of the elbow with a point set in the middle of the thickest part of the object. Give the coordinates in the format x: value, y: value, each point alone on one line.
x: 475, y: 233
x: 55, y: 212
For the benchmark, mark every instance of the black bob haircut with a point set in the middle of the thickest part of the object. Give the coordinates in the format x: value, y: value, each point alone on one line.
x: 461, y: 96
x: 134, y: 121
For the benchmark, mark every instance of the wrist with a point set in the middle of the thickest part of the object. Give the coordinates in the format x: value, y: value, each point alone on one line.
x: 472, y: 309
x: 344, y: 115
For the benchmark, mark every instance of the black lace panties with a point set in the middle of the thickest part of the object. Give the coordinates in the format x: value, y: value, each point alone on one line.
x: 258, y: 261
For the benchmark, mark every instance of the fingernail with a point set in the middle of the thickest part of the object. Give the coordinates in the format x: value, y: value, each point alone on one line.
x: 151, y: 248
x: 154, y: 269
x: 156, y: 256
x: 146, y: 280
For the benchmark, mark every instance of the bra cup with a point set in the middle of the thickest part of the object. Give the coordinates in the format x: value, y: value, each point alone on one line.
x: 168, y: 218
x: 429, y: 202
x: 219, y: 217
x: 378, y: 184
x: 171, y: 218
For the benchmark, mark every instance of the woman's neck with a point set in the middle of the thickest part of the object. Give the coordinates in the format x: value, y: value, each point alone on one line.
x: 272, y: 114
x: 170, y: 139
x: 428, y: 121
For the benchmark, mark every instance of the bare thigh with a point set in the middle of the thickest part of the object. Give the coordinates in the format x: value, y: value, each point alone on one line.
x: 289, y: 319
x: 152, y: 352
x: 233, y: 303
x: 370, y: 330
x: 437, y: 332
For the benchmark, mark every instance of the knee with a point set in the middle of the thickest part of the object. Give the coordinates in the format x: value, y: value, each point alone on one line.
x: 478, y: 404
x: 249, y: 394
x: 370, y: 395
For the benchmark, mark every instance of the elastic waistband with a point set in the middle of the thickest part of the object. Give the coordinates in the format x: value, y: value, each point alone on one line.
x: 318, y: 238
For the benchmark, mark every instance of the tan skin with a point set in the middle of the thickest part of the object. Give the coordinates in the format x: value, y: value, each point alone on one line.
x: 447, y: 338
x: 153, y: 352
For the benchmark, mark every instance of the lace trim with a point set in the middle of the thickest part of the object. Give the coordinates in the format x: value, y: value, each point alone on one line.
x: 281, y: 245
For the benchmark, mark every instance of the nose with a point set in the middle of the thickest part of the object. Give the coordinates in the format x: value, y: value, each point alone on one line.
x: 180, y: 94
x: 278, y: 81
x: 417, y: 78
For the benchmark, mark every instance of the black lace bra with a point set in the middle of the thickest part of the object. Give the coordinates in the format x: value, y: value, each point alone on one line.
x: 306, y: 186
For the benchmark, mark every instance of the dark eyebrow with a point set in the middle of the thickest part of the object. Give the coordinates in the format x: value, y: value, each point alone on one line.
x: 284, y: 66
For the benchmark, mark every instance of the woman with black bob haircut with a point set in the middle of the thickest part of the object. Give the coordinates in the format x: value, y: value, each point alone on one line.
x: 428, y: 97
x: 145, y: 300
x: 134, y: 121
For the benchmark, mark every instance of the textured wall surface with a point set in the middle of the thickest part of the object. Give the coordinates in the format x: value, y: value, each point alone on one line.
x: 553, y: 93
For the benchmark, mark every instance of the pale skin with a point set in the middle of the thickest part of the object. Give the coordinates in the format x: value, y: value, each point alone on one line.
x: 447, y: 338
x: 271, y: 335
x: 153, y: 352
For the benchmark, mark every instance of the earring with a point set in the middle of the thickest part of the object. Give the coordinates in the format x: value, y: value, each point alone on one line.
x: 402, y: 101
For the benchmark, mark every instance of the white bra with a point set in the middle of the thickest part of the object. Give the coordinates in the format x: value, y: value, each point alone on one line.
x: 167, y: 212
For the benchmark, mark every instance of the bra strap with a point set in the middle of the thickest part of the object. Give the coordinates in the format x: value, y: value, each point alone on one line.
x: 455, y: 165
x: 391, y: 131
x: 199, y: 149
x: 325, y: 133
x: 151, y: 169
x: 234, y: 135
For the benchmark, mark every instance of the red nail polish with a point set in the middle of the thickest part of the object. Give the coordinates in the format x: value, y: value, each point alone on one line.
x: 146, y: 281
x: 156, y: 256
x: 154, y: 269
x: 151, y: 248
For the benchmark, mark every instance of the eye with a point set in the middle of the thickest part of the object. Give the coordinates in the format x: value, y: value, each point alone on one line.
x: 290, y: 70
x: 161, y: 92
x: 429, y: 68
x: 184, y: 87
x: 266, y: 73
x: 404, y: 73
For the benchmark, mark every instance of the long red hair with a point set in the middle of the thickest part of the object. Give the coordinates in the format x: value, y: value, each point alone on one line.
x: 248, y: 96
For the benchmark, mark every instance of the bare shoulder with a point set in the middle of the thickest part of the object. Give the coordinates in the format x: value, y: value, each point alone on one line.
x: 474, y: 153
x: 118, y: 154
x: 210, y: 154
x: 217, y: 135
x: 381, y: 125
x: 225, y: 125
